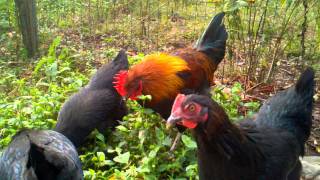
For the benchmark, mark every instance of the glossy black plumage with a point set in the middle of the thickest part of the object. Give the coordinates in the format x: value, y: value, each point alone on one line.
x: 291, y: 109
x: 97, y: 105
x: 262, y: 149
x: 40, y: 154
x: 213, y: 40
x: 104, y: 77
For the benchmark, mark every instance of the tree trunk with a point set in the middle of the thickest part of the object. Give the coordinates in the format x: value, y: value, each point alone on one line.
x: 26, y: 11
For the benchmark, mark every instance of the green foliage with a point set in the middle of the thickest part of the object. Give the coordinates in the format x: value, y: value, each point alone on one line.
x: 140, y: 149
x: 135, y: 59
x: 137, y: 149
x: 32, y: 100
x: 6, y: 15
x: 231, y: 101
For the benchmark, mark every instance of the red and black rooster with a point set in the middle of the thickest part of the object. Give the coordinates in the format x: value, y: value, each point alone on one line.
x: 163, y: 75
x: 266, y: 148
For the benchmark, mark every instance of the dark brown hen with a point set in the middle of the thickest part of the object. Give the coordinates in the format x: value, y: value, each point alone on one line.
x: 267, y: 148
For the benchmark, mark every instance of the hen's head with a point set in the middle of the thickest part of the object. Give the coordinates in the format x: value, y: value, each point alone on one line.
x: 189, y: 111
x: 128, y: 90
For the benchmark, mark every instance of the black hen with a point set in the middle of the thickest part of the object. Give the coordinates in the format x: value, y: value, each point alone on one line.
x: 291, y: 109
x: 97, y: 105
x: 104, y: 77
x: 267, y: 148
x: 40, y: 154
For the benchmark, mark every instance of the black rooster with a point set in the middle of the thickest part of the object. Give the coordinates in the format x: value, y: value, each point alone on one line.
x: 97, y: 105
x: 265, y: 149
x: 40, y: 154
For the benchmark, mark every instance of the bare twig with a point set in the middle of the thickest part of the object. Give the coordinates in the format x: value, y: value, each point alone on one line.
x: 175, y: 142
x: 255, y: 97
x: 253, y: 87
x: 278, y: 43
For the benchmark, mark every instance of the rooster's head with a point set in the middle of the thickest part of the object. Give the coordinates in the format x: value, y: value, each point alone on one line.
x: 128, y: 90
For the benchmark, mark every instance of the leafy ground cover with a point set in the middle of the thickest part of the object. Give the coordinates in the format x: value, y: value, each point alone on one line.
x: 32, y: 94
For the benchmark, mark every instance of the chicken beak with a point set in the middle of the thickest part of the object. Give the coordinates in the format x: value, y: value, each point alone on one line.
x: 172, y: 121
x: 125, y: 97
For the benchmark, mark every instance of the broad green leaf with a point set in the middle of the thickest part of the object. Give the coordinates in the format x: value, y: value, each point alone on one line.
x: 122, y: 128
x: 167, y: 141
x: 187, y: 141
x: 100, y: 137
x: 101, y: 156
x: 122, y: 158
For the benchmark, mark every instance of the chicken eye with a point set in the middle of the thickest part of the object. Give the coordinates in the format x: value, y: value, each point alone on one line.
x: 191, y: 107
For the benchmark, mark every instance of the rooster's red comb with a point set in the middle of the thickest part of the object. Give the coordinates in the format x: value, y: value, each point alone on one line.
x: 119, y: 80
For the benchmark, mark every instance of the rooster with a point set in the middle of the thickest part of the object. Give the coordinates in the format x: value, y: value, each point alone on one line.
x: 187, y: 70
x: 97, y: 105
x: 266, y: 148
x: 40, y: 154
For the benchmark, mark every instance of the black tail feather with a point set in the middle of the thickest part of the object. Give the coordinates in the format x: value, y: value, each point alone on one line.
x: 122, y: 57
x: 291, y: 109
x: 305, y: 89
x: 104, y: 77
x: 213, y: 40
x: 305, y: 84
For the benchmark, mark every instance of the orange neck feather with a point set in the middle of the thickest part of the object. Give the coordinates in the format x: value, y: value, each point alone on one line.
x: 158, y: 73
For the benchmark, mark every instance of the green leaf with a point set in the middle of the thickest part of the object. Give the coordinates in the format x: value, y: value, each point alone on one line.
x: 167, y: 141
x: 236, y: 89
x: 101, y: 156
x: 122, y: 128
x: 145, y: 97
x: 41, y: 62
x: 53, y: 46
x: 52, y: 70
x: 187, y: 141
x: 100, y: 137
x: 154, y: 152
x: 160, y: 134
x: 122, y: 158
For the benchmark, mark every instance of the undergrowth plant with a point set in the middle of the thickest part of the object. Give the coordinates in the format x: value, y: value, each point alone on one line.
x: 137, y: 149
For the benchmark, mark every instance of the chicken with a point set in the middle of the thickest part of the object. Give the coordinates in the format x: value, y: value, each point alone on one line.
x: 40, y: 154
x: 266, y: 148
x: 97, y: 105
x: 163, y: 75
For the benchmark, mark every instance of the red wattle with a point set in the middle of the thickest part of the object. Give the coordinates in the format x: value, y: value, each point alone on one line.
x: 188, y: 124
